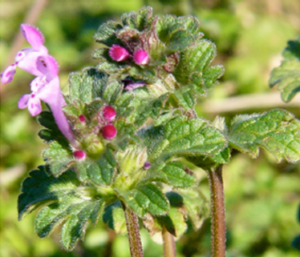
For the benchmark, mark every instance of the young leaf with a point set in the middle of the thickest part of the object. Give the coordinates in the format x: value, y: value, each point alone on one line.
x: 86, y: 85
x: 193, y: 68
x: 146, y: 198
x: 277, y: 131
x: 287, y: 75
x: 58, y: 157
x: 101, y: 171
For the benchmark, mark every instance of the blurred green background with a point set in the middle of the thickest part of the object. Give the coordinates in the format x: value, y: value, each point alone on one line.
x: 261, y: 196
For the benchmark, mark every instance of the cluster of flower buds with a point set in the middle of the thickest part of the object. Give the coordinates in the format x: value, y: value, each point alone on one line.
x: 119, y: 54
x: 109, y: 131
x: 92, y: 144
x: 45, y: 87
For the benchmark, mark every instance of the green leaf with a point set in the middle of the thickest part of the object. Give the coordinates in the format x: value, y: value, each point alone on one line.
x: 140, y: 21
x: 287, y: 75
x: 196, y: 205
x: 146, y: 198
x: 102, y: 170
x: 178, y: 33
x: 174, y: 174
x: 86, y: 85
x: 59, y: 203
x: 193, y: 67
x: 106, y: 33
x: 114, y: 217
x: 182, y: 136
x: 276, y: 131
x: 58, y: 157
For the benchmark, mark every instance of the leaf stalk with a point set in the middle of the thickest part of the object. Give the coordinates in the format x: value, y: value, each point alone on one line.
x: 133, y: 230
x: 168, y: 243
x: 218, y: 227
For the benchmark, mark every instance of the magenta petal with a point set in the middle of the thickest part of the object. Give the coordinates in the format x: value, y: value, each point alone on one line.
x: 118, y: 53
x: 38, y: 83
x: 23, y: 102
x: 34, y: 37
x: 47, y: 65
x: 28, y: 62
x: 8, y: 74
x: 34, y: 105
x: 141, y: 57
x: 50, y: 93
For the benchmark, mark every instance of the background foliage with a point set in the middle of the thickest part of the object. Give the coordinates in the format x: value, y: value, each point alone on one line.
x: 261, y: 196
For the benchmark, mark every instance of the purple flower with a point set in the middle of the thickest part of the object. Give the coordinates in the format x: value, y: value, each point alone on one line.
x: 141, y: 57
x: 130, y: 84
x: 45, y: 87
x: 118, y: 53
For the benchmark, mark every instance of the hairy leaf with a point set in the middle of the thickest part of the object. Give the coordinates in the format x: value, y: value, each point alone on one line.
x: 287, y: 75
x: 196, y: 205
x: 86, y: 85
x: 277, y: 131
x: 146, y: 198
x: 60, y: 202
x: 182, y: 136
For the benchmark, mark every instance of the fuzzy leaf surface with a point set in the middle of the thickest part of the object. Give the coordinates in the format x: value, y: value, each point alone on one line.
x: 60, y: 202
x: 146, y: 198
x: 182, y: 136
x: 276, y: 131
x: 287, y: 75
x: 86, y: 85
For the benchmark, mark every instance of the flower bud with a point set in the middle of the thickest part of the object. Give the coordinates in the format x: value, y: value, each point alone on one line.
x: 109, y: 131
x: 82, y: 118
x: 79, y: 155
x: 109, y: 113
x: 147, y: 165
x: 118, y: 53
x: 141, y: 57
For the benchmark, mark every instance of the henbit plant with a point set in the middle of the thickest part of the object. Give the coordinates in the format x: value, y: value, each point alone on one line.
x: 121, y: 143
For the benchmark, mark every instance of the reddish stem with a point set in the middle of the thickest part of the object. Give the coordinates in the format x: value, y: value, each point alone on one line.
x: 218, y: 227
x: 133, y: 230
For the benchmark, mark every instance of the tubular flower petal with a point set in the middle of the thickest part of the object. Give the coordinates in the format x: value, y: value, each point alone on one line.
x: 45, y: 87
x: 141, y: 57
x: 118, y: 53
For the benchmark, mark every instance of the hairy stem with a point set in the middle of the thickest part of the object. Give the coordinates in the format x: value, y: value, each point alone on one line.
x: 169, y: 243
x: 218, y: 228
x: 133, y: 230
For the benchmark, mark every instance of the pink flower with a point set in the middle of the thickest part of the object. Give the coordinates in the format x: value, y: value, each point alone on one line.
x: 109, y: 113
x: 45, y: 87
x: 109, y: 131
x: 118, y: 53
x: 26, y: 59
x: 79, y: 155
x: 141, y: 57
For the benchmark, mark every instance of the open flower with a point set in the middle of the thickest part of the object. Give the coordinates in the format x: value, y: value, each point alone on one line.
x: 26, y: 59
x: 45, y: 87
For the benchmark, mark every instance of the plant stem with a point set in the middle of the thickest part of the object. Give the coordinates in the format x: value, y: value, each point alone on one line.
x: 169, y: 243
x: 133, y: 230
x: 218, y: 228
